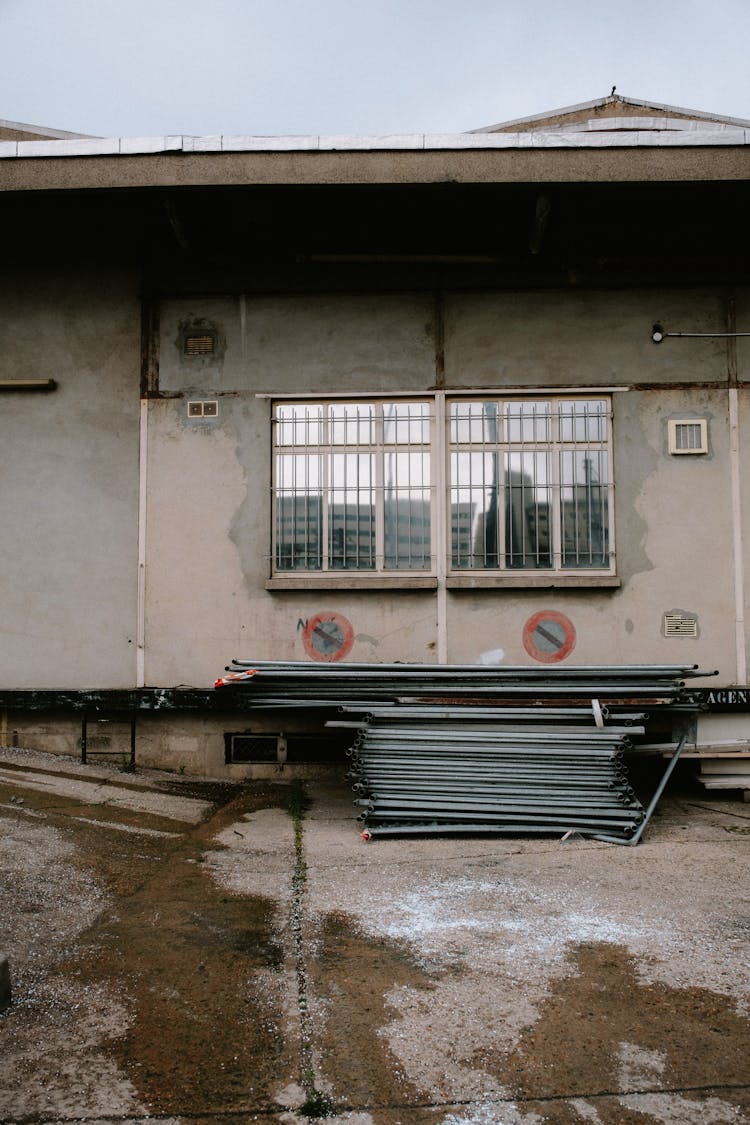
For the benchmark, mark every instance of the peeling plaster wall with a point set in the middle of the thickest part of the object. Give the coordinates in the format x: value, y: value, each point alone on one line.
x: 70, y: 479
x: 209, y: 507
x: 209, y: 481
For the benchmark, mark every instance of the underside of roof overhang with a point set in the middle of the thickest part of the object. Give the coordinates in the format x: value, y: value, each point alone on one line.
x: 254, y: 238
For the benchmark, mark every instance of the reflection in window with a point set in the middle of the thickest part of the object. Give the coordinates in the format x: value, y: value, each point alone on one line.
x: 529, y: 484
x: 351, y: 511
x: 527, y: 505
x: 299, y: 511
x: 353, y: 487
x: 584, y: 508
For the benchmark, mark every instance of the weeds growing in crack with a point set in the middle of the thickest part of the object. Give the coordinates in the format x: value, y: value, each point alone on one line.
x: 316, y: 1104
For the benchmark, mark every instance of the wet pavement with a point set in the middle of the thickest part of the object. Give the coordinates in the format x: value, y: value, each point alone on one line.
x: 190, y: 951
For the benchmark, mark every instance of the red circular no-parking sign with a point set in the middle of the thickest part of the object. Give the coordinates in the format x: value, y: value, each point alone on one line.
x: 328, y: 636
x: 549, y: 636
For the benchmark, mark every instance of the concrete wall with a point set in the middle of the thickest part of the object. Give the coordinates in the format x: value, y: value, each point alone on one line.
x: 70, y: 469
x: 209, y: 481
x: 189, y: 744
x: 69, y: 473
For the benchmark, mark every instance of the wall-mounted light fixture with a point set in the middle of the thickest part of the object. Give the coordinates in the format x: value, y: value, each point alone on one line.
x: 658, y: 334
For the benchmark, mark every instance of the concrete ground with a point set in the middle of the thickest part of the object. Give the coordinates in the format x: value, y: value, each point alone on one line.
x: 192, y: 951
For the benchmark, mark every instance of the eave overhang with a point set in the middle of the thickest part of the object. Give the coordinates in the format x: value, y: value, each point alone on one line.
x: 559, y: 157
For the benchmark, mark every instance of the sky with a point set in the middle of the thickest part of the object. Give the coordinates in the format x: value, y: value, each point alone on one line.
x: 348, y: 67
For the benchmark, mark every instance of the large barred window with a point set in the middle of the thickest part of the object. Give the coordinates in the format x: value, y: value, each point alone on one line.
x: 526, y: 484
x: 530, y: 484
x: 353, y: 486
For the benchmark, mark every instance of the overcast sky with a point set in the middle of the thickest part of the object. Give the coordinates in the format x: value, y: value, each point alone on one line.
x: 151, y: 67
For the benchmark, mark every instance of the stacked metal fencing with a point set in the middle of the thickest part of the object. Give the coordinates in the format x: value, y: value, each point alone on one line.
x: 287, y: 683
x: 469, y: 748
x: 456, y: 778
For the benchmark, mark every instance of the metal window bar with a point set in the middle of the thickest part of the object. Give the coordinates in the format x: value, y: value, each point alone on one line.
x: 584, y: 473
x: 552, y: 510
x: 353, y: 486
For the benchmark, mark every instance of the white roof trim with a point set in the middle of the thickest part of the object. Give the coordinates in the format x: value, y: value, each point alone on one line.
x: 419, y: 142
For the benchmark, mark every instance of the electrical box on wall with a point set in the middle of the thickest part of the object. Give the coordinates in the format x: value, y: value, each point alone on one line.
x: 203, y: 408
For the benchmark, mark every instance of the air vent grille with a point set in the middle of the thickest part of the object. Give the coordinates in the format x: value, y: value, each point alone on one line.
x: 680, y: 625
x: 252, y: 747
x: 688, y: 435
x: 203, y: 343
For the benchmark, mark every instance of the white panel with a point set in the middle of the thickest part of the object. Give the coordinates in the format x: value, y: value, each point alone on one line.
x: 106, y: 146
x: 269, y: 144
x: 133, y: 145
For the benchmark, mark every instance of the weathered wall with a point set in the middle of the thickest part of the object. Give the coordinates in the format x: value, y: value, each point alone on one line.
x: 190, y: 744
x: 209, y: 481
x: 69, y: 462
x: 69, y: 473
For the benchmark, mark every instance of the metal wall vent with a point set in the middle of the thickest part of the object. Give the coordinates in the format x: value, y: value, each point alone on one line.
x: 680, y: 625
x: 688, y: 435
x: 203, y: 408
x: 251, y: 747
x: 199, y: 343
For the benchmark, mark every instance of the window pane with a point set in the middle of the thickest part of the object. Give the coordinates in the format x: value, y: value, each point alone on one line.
x: 473, y: 422
x: 474, y: 516
x: 584, y: 508
x: 352, y: 423
x: 299, y: 512
x: 528, y: 501
x: 299, y: 425
x: 351, y: 511
x: 583, y: 420
x: 406, y: 423
x: 406, y: 514
x: 527, y: 422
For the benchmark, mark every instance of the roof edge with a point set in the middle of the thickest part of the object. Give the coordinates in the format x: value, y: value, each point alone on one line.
x: 42, y: 131
x: 613, y: 99
x: 125, y: 147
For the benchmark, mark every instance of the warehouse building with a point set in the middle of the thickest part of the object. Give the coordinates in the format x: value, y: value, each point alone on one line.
x: 457, y: 398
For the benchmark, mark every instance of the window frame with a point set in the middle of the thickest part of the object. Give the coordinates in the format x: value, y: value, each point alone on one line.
x: 554, y: 444
x: 378, y: 448
x: 438, y: 448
